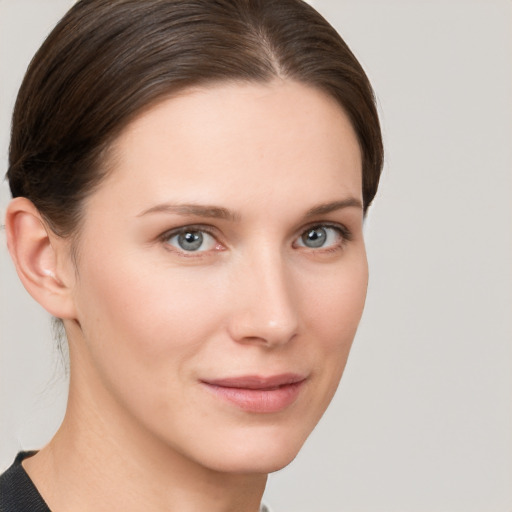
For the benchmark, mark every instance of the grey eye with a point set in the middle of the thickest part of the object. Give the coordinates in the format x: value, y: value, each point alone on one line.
x: 314, y: 237
x: 322, y: 236
x: 192, y: 240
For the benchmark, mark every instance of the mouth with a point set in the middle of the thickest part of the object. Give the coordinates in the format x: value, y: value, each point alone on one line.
x: 258, y: 394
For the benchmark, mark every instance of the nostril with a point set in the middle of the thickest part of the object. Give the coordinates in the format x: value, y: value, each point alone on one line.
x: 249, y: 327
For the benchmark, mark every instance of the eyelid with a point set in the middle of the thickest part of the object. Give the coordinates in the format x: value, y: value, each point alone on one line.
x: 344, y: 232
x: 170, y: 233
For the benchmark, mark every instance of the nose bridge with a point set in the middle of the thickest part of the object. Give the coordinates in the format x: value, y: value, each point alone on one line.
x: 265, y: 310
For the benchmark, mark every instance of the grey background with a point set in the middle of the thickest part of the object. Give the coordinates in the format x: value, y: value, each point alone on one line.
x: 423, y: 419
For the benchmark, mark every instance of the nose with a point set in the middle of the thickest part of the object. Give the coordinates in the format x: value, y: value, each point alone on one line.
x: 264, y: 311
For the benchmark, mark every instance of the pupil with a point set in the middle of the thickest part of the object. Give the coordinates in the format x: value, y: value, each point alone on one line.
x: 315, y: 237
x: 191, y: 240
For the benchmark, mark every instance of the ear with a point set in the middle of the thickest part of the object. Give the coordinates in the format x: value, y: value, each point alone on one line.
x: 42, y: 259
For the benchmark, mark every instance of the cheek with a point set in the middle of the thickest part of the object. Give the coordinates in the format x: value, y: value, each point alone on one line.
x: 144, y: 322
x: 333, y: 315
x: 143, y: 334
x: 335, y: 302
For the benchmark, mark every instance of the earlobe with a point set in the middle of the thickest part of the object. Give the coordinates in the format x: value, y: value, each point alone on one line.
x: 37, y: 252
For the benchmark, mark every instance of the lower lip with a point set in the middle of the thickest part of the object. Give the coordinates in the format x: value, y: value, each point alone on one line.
x: 259, y: 400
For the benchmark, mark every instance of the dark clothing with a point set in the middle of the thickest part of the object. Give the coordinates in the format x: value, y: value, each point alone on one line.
x: 17, y: 492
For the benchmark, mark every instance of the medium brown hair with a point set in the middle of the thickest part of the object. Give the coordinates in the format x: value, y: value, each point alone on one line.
x: 107, y: 60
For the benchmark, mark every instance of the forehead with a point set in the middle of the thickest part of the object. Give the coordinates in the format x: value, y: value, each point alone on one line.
x: 236, y: 142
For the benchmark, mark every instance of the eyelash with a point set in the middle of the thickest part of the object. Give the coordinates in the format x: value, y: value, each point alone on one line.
x: 343, y: 231
x: 165, y: 237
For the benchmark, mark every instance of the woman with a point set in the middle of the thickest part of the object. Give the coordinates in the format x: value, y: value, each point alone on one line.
x: 189, y: 181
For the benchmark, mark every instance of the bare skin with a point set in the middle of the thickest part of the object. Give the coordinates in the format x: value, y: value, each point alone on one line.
x: 261, y: 274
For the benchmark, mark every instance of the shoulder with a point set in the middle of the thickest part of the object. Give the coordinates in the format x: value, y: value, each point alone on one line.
x: 17, y: 491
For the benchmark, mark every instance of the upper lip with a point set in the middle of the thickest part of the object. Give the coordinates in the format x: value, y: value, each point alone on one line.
x: 257, y: 381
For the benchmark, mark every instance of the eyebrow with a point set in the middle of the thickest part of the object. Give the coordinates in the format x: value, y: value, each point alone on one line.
x: 321, y: 209
x: 208, y: 211
x: 219, y: 212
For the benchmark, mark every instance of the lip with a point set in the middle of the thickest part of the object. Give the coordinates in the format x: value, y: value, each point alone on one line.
x: 254, y: 393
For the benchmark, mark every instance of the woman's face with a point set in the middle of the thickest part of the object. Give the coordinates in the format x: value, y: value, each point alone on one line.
x: 222, y: 274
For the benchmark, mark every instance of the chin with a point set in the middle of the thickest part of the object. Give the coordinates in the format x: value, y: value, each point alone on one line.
x: 255, y: 463
x: 255, y: 450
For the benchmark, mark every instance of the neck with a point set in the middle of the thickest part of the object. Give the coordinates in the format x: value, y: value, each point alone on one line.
x: 97, y: 461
